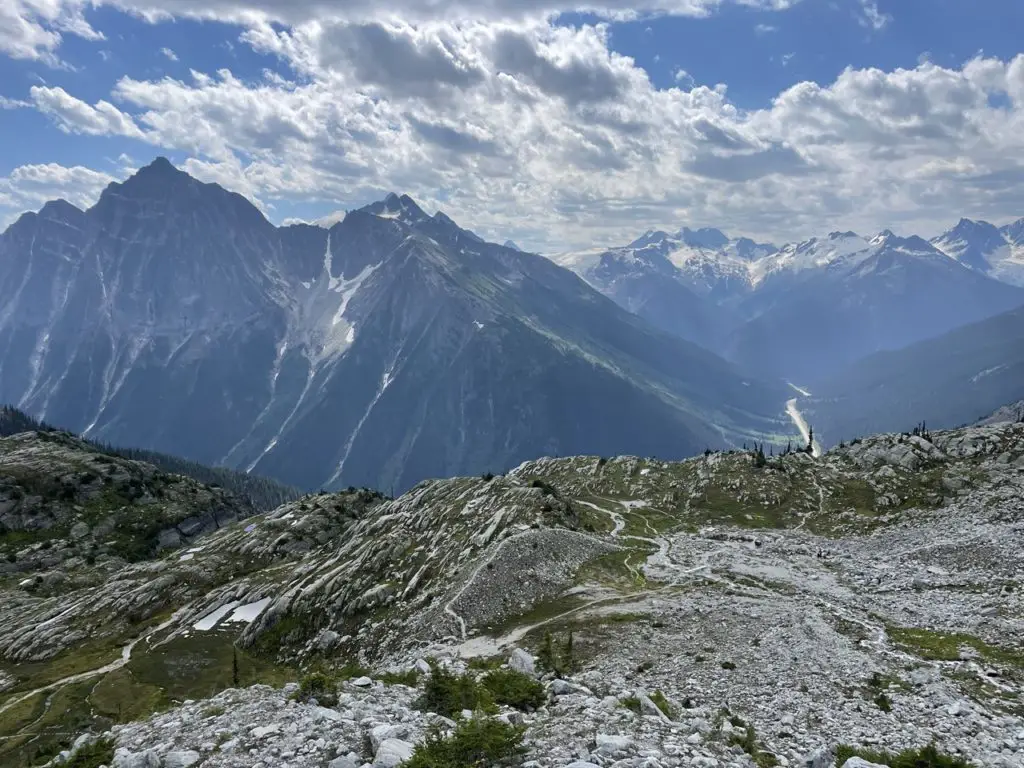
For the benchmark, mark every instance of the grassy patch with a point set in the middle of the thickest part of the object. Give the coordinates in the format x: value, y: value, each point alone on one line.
x: 664, y: 705
x: 945, y: 646
x: 473, y: 743
x: 632, y: 703
x: 926, y: 757
x: 747, y: 741
x: 98, y: 753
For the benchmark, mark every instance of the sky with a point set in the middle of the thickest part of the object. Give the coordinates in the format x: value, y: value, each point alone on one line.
x: 560, y: 124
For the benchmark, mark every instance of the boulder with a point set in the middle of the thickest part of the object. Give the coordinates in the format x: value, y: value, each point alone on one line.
x: 392, y: 752
x: 181, y: 759
x: 521, y: 661
x: 612, y: 745
x: 125, y: 759
x: 859, y: 762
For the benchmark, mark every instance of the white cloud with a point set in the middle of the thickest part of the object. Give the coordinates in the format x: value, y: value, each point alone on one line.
x: 28, y: 187
x: 73, y: 115
x: 765, y: 29
x: 169, y: 54
x: 871, y: 17
x: 7, y: 103
x: 34, y: 29
x: 545, y: 135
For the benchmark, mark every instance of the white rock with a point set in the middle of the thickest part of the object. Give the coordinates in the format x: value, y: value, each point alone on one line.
x: 610, y: 745
x: 521, y: 661
x: 343, y: 762
x: 181, y: 759
x: 362, y: 682
x: 393, y: 752
x: 125, y: 759
x: 859, y: 762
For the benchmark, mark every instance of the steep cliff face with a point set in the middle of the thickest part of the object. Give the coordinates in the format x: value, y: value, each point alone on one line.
x: 391, y: 347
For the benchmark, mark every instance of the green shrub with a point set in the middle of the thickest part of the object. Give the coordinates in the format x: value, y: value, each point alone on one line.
x: 632, y: 703
x: 558, y: 658
x: 925, y: 757
x: 410, y: 678
x: 448, y: 694
x: 515, y: 689
x: 728, y: 665
x: 474, y: 743
x: 98, y: 753
x: 748, y: 743
x: 663, y: 704
x: 318, y: 686
x: 883, y: 702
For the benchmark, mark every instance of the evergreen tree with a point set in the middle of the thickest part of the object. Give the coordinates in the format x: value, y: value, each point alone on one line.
x: 234, y: 667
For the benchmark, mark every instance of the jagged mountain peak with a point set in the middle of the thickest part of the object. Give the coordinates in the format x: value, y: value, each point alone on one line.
x: 705, y: 237
x: 59, y: 209
x: 842, y: 235
x: 399, y: 207
x: 512, y: 244
x: 1014, y: 232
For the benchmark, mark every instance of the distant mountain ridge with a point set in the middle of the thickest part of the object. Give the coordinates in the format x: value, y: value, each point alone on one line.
x: 951, y: 380
x: 805, y: 310
x: 391, y: 347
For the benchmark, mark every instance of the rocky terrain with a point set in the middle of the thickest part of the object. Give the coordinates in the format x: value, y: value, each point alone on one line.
x: 722, y: 611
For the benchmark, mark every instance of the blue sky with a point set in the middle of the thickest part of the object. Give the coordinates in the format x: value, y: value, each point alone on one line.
x: 533, y: 124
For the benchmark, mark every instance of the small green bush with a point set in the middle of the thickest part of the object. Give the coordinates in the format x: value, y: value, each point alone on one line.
x: 925, y: 757
x: 883, y: 702
x: 318, y: 686
x: 98, y: 753
x: 632, y: 703
x: 474, y: 743
x: 515, y: 689
x: 448, y: 694
x: 410, y: 678
x: 728, y: 665
x: 749, y: 744
x: 664, y: 705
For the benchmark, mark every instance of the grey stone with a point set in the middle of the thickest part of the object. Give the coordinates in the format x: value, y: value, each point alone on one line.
x: 521, y: 661
x: 392, y: 752
x: 181, y: 759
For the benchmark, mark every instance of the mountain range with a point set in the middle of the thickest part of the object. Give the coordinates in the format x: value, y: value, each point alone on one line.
x: 391, y: 347
x: 806, y: 310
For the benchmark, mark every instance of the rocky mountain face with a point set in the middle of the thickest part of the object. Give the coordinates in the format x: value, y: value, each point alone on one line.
x: 723, y: 611
x: 806, y: 310
x: 979, y: 245
x: 948, y: 381
x: 57, y: 488
x: 390, y: 347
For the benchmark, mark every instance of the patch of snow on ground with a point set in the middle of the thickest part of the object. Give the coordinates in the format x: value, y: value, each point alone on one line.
x: 210, y: 620
x: 248, y: 613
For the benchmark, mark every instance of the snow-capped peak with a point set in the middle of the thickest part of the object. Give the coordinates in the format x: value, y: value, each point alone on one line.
x: 985, y: 248
x: 400, y: 207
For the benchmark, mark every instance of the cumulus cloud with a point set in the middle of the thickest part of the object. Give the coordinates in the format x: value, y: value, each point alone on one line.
x: 34, y: 29
x: 171, y: 55
x: 542, y: 133
x: 28, y: 187
x: 73, y: 115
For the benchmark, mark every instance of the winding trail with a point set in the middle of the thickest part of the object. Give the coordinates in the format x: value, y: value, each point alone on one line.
x: 485, y: 645
x: 126, y: 656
